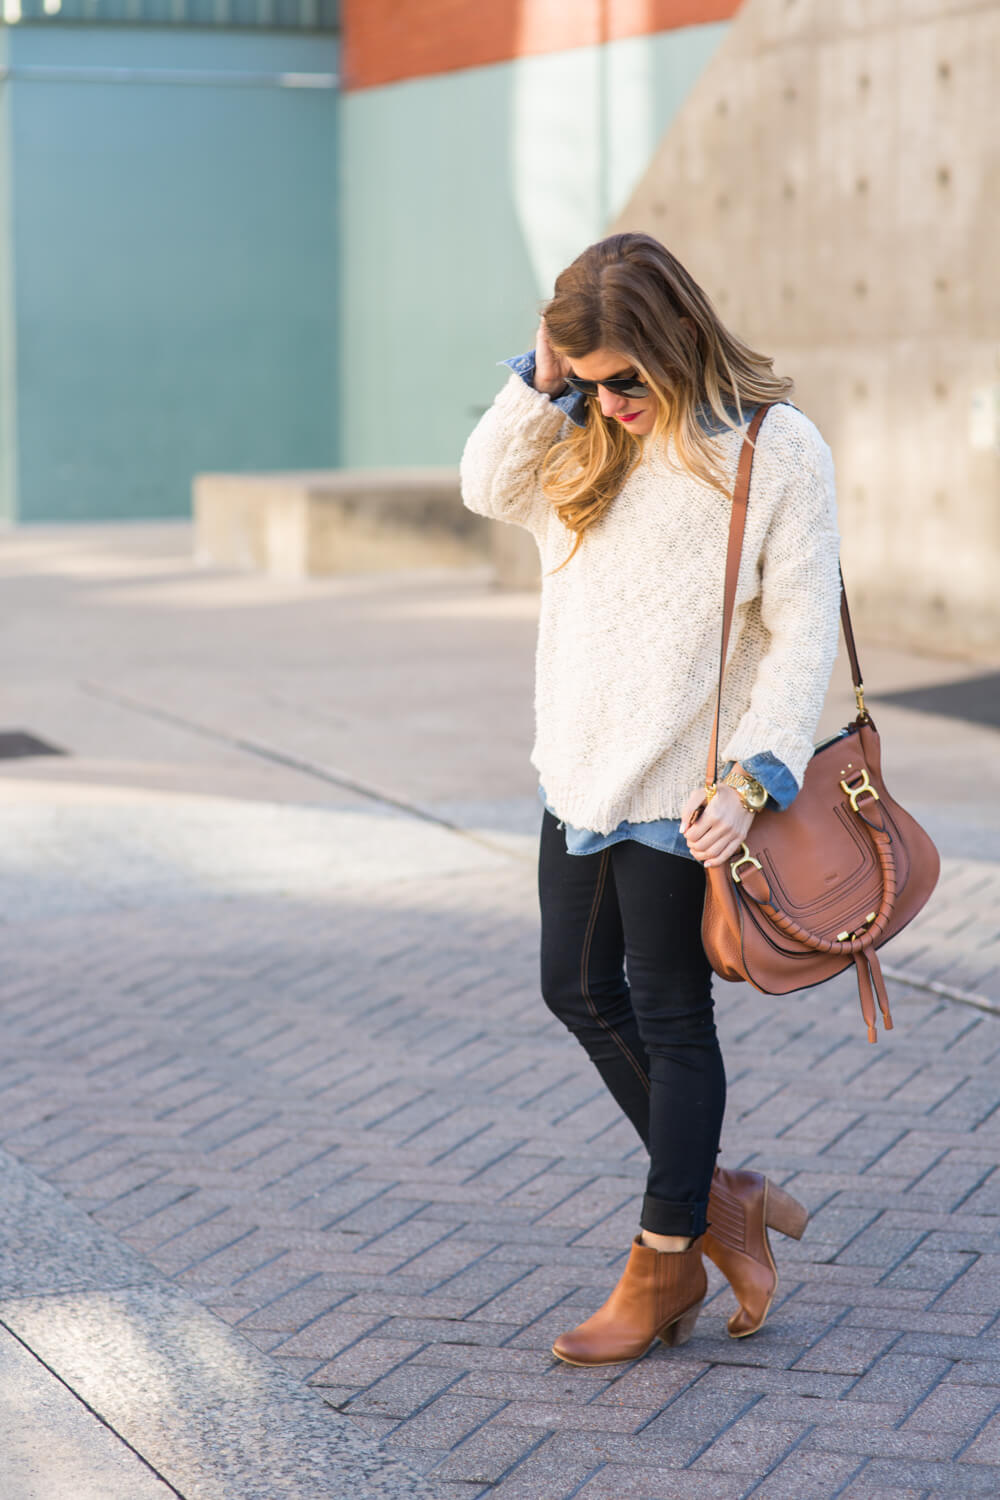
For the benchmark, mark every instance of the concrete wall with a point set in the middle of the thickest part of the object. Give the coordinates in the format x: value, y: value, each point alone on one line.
x: 463, y: 195
x: 171, y: 244
x: 832, y: 181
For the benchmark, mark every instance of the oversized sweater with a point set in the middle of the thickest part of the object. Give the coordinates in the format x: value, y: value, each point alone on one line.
x: 628, y: 642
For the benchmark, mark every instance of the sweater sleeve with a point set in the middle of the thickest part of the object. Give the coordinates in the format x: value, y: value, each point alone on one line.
x: 502, y: 462
x: 800, y: 603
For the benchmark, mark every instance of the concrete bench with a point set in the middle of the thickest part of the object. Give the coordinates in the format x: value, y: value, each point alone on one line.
x: 336, y: 521
x: 514, y: 557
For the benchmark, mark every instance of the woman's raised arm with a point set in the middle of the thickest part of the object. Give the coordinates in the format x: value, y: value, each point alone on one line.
x: 501, y: 467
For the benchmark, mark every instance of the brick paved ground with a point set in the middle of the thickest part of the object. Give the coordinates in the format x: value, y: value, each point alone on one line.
x: 350, y: 1129
x: 333, y: 1110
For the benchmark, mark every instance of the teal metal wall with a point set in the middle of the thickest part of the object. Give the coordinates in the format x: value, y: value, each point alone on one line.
x: 463, y: 195
x: 182, y: 275
x: 171, y: 247
x: 285, y: 15
x: 8, y: 384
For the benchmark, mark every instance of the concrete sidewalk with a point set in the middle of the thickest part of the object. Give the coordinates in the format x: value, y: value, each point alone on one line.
x: 116, y: 1385
x: 333, y: 1178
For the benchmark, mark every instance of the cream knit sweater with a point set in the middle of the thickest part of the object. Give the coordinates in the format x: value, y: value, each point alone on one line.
x: 628, y: 642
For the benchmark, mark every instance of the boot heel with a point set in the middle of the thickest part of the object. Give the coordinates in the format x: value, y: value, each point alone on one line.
x: 785, y: 1213
x: 680, y: 1331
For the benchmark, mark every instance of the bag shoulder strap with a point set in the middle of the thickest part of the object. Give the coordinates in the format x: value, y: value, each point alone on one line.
x: 852, y: 650
x: 737, y: 526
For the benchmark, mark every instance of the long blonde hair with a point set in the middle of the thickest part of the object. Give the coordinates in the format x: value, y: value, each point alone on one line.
x: 628, y: 294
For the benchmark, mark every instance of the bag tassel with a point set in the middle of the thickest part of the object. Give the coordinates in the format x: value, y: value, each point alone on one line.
x: 871, y: 985
x: 865, y: 994
x: 881, y: 992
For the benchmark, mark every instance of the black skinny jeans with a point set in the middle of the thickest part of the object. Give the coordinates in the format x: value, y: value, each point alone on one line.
x: 651, y: 1035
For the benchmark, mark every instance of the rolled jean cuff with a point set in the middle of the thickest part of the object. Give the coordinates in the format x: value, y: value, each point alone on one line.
x: 661, y: 1217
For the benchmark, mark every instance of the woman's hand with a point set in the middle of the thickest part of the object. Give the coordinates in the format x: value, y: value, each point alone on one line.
x: 720, y: 830
x: 551, y: 368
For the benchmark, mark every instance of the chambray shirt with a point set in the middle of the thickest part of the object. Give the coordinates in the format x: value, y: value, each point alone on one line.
x: 662, y: 833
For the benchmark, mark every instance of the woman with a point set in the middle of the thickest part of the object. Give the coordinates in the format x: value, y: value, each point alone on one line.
x: 616, y: 445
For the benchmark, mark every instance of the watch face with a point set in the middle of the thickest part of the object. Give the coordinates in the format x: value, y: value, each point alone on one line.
x: 752, y: 794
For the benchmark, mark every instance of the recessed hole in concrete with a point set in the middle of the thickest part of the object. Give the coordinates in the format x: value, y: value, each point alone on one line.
x: 976, y: 699
x: 17, y: 744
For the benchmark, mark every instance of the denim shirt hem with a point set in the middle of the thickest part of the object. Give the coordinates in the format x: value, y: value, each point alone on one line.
x: 665, y: 833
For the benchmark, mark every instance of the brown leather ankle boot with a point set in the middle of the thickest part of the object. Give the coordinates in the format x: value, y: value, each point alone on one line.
x: 659, y: 1296
x: 742, y: 1206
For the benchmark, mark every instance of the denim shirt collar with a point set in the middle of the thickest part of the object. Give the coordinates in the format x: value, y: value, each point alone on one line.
x: 574, y: 406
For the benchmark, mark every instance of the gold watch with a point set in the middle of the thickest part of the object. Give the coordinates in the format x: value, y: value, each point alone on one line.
x: 750, y: 792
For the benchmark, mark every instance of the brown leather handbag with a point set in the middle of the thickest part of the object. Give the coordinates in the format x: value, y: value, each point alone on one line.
x: 826, y: 882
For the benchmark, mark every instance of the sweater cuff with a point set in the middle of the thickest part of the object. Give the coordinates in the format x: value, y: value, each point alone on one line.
x: 570, y: 403
x: 529, y: 407
x: 784, y: 744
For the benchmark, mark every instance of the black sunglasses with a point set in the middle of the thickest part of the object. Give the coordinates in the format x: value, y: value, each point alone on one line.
x: 618, y: 385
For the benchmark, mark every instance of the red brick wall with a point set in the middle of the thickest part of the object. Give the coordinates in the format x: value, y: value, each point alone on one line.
x: 388, y: 40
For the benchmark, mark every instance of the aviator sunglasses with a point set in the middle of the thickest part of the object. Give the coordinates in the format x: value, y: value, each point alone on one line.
x: 618, y: 385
